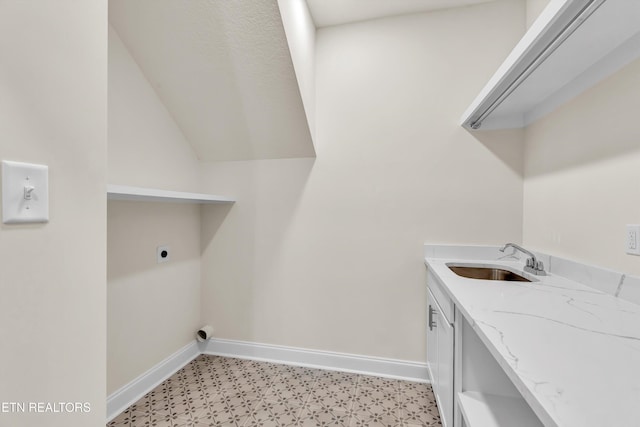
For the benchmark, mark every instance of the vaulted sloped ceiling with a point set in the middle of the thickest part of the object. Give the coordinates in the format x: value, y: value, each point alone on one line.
x: 223, y: 70
x: 336, y: 12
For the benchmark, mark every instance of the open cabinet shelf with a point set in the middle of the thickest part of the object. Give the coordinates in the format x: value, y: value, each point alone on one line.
x: 572, y: 45
x: 140, y: 194
x: 489, y: 410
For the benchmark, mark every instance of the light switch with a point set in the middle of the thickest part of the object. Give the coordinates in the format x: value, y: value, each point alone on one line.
x: 25, y: 192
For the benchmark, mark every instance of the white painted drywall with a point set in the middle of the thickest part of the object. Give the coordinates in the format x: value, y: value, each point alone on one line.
x: 224, y: 72
x: 534, y: 8
x: 146, y: 147
x: 337, y: 12
x: 327, y: 253
x: 153, y: 309
x: 53, y: 111
x: 582, y: 174
x: 301, y: 38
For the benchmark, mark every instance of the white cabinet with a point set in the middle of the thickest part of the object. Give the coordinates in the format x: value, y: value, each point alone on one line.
x: 486, y: 397
x: 432, y: 338
x: 470, y: 387
x: 571, y: 46
x: 445, y: 370
x: 440, y: 351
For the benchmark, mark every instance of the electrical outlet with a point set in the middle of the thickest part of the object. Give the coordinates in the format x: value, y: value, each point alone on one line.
x: 632, y: 239
x: 163, y: 253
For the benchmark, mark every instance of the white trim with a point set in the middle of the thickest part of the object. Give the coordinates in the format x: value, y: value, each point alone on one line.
x: 354, y: 363
x: 124, y: 397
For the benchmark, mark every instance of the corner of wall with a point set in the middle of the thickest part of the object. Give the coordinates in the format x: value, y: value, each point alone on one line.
x: 54, y: 112
x: 147, y: 149
x: 146, y: 146
x: 300, y: 31
x: 581, y: 161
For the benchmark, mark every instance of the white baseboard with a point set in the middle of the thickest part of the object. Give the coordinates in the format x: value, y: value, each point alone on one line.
x: 389, y: 368
x: 124, y: 397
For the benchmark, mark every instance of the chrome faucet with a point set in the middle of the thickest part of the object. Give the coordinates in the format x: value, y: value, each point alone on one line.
x: 533, y: 266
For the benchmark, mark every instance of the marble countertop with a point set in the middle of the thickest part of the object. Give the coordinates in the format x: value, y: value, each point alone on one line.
x: 572, y: 351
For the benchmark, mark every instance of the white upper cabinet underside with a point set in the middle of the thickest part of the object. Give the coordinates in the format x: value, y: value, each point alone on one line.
x: 590, y: 46
x: 608, y: 40
x: 336, y: 12
x: 223, y: 70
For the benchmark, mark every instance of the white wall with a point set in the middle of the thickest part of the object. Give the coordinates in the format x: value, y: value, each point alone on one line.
x: 301, y: 38
x: 153, y: 309
x: 582, y: 175
x: 327, y: 253
x: 534, y: 8
x: 53, y: 111
x: 146, y: 147
x: 224, y: 72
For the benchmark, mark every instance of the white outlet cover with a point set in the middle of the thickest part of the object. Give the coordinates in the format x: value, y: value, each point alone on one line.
x: 632, y: 239
x: 163, y: 250
x: 17, y: 207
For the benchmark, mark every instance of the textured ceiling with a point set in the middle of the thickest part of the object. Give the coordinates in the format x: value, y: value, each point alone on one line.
x: 223, y: 70
x: 335, y: 12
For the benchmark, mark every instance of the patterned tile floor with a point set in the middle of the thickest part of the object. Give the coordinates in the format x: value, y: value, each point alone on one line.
x: 221, y: 391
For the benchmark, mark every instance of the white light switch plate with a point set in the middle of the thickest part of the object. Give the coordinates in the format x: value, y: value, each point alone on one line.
x: 25, y: 192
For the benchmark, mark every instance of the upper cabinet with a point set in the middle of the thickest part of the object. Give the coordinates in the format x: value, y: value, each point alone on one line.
x: 570, y: 47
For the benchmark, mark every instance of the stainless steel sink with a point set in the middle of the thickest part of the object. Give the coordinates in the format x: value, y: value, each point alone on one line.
x: 487, y: 273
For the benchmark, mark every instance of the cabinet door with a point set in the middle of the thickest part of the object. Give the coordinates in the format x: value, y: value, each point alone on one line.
x: 445, y: 356
x: 432, y: 339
